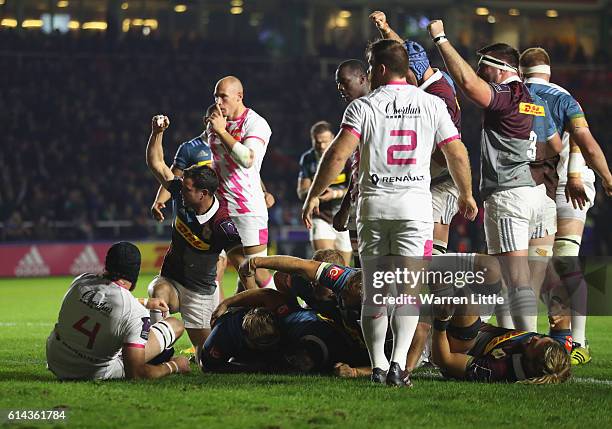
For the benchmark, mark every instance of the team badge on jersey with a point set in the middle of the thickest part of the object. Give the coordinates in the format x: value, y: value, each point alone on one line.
x: 146, y: 327
x: 334, y: 272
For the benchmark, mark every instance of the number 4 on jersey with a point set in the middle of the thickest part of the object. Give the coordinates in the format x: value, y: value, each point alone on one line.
x: 90, y: 334
x: 394, y: 149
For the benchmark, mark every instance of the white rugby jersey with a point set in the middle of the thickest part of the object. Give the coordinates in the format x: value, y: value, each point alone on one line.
x: 239, y: 186
x: 398, y: 126
x: 97, y: 318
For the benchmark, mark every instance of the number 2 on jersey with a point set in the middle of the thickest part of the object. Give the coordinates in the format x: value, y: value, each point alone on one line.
x: 395, y: 149
x: 90, y: 334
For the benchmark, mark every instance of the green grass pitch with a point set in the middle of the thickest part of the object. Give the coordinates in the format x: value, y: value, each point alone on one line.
x: 30, y: 306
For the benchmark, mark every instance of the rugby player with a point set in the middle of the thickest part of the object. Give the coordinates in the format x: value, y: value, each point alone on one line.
x: 193, y: 152
x: 238, y: 138
x: 512, y: 200
x: 444, y: 193
x: 322, y: 234
x: 465, y: 348
x: 352, y: 83
x: 394, y: 202
x: 309, y: 341
x: 201, y: 229
x: 576, y: 184
x: 242, y: 340
x: 103, y: 332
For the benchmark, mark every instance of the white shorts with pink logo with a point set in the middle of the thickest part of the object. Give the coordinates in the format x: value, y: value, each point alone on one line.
x: 253, y: 230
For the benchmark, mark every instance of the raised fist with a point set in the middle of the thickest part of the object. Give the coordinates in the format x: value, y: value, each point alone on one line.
x: 159, y: 123
x: 379, y: 19
x: 435, y: 27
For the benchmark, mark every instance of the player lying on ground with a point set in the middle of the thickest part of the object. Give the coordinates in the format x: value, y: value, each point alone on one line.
x: 103, y: 332
x: 467, y: 349
x: 309, y: 342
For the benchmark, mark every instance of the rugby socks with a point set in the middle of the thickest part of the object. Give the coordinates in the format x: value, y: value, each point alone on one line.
x: 524, y: 308
x: 502, y: 311
x: 374, y: 323
x: 403, y: 326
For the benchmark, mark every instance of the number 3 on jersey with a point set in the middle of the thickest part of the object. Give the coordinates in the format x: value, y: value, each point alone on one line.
x: 394, y: 151
x: 90, y: 334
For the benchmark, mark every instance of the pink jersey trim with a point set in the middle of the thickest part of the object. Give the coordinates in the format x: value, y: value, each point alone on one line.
x: 398, y: 82
x: 263, y: 236
x: 351, y: 130
x: 134, y: 345
x: 448, y: 140
x: 254, y: 137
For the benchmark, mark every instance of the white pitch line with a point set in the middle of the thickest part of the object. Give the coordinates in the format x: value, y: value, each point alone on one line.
x: 13, y: 324
x: 590, y: 380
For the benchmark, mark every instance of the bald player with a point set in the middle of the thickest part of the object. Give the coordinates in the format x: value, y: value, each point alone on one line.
x: 238, y: 138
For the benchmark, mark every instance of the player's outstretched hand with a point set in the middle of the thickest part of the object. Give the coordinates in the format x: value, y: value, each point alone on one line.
x: 183, y: 364
x: 157, y: 304
x: 159, y: 123
x: 467, y: 207
x: 311, y: 206
x: 379, y: 19
x: 574, y: 192
x: 156, y: 211
x: 219, y: 311
x: 340, y: 220
x: 217, y: 121
x: 435, y: 28
x: 344, y: 370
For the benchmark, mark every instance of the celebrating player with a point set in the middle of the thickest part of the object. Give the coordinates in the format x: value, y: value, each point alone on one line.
x: 512, y: 199
x: 239, y: 137
x: 322, y: 233
x: 395, y: 127
x: 444, y: 193
x: 201, y: 229
x: 103, y: 332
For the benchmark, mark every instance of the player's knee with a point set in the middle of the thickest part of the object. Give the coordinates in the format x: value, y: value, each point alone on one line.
x: 167, y: 331
x: 489, y: 266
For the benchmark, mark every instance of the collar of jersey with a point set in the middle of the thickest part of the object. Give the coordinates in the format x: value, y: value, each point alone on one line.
x: 537, y: 80
x: 513, y: 78
x: 433, y: 78
x: 203, y: 218
x: 241, y: 117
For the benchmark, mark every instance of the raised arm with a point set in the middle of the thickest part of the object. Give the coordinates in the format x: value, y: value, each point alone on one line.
x: 462, y: 73
x: 155, y: 151
x: 380, y: 20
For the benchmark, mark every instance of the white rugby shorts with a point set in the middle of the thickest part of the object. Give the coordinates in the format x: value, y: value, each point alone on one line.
x: 511, y: 217
x: 322, y: 230
x: 565, y: 209
x: 444, y: 196
x: 253, y: 230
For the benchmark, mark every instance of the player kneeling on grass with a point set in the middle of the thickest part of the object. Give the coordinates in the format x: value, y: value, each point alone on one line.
x: 103, y: 332
x: 465, y: 348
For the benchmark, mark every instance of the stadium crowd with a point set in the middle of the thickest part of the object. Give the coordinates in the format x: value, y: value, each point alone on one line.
x: 69, y: 92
